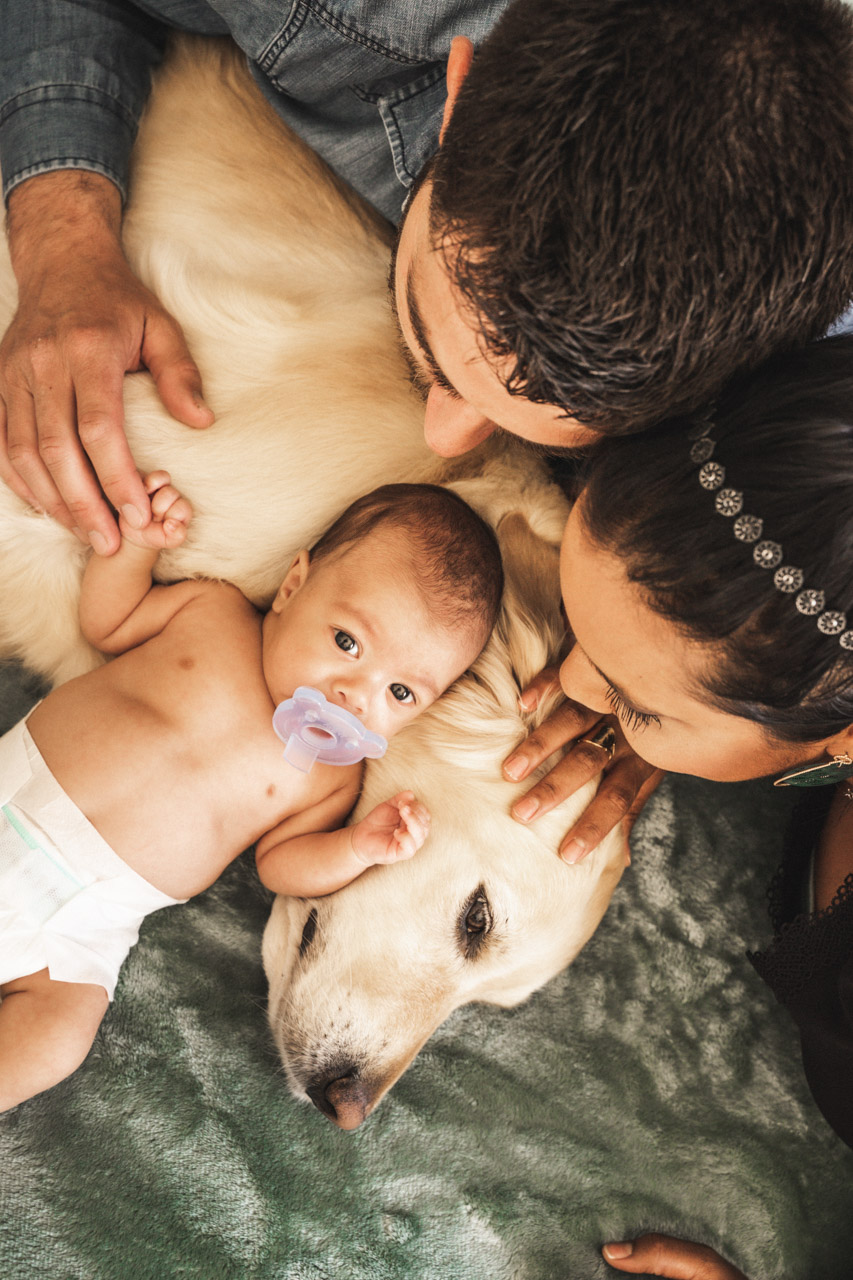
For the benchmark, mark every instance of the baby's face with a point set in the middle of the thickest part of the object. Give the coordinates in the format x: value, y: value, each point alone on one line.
x: 357, y: 628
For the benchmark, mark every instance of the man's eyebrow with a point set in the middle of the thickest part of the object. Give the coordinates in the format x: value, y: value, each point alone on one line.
x: 416, y: 320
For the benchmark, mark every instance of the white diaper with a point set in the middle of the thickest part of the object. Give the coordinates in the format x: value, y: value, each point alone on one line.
x: 68, y: 903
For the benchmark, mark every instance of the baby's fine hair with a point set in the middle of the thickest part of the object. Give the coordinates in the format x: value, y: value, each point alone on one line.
x: 456, y: 560
x: 784, y: 436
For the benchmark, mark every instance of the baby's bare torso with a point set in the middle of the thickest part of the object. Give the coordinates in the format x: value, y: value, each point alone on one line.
x: 169, y: 749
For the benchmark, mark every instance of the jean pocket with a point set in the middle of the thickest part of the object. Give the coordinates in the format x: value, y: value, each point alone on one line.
x: 411, y: 114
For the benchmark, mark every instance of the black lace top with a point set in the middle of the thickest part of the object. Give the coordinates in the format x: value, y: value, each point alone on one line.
x: 809, y: 967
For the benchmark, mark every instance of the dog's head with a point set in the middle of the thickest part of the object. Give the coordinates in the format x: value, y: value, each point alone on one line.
x: 485, y: 911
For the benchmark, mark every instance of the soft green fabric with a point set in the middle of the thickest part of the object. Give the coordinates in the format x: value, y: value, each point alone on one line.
x: 654, y: 1085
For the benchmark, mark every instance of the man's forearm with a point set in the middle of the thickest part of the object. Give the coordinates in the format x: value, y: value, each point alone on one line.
x: 54, y: 214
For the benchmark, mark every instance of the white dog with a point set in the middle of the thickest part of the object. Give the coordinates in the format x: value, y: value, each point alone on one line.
x: 278, y: 277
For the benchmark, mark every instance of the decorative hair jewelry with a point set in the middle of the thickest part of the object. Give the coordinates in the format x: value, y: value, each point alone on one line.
x: 767, y: 554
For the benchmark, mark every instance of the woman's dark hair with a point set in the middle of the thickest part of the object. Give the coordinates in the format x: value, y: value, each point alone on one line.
x: 639, y: 198
x: 784, y: 436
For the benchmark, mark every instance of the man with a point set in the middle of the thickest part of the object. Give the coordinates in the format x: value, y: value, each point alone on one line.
x: 631, y: 199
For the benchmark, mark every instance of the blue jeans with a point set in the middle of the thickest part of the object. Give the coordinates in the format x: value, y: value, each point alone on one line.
x: 362, y: 81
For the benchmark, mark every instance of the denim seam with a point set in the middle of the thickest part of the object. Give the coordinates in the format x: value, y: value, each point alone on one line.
x: 303, y: 9
x: 410, y: 91
x: 395, y: 136
x: 84, y: 93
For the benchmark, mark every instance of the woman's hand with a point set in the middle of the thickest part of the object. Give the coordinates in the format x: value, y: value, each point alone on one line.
x: 626, y: 784
x: 666, y: 1256
x: 658, y: 1255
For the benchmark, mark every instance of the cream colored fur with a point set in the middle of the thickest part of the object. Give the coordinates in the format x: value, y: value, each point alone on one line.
x: 279, y: 279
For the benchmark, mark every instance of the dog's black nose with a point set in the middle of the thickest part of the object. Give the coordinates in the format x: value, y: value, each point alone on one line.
x: 342, y: 1095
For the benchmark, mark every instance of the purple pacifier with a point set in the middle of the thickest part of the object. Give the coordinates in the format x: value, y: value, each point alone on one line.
x: 315, y: 729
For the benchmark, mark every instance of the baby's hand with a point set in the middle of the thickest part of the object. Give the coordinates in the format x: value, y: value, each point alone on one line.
x: 170, y: 516
x: 392, y: 831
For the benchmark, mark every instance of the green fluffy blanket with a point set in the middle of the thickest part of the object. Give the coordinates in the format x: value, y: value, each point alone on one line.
x: 654, y: 1085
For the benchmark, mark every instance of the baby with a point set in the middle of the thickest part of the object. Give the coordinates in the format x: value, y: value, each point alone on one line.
x: 132, y: 787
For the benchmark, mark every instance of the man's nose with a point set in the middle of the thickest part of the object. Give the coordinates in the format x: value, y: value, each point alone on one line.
x: 452, y: 426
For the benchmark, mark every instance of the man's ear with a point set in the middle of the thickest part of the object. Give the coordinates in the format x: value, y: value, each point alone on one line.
x: 458, y: 65
x: 293, y: 579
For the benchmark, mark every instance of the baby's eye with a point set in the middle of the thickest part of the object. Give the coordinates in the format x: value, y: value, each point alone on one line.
x: 402, y: 693
x: 344, y: 641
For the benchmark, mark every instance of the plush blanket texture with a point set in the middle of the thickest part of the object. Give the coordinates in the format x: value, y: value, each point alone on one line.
x: 655, y: 1085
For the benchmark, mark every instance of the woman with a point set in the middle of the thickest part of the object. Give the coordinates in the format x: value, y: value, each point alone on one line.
x: 707, y: 578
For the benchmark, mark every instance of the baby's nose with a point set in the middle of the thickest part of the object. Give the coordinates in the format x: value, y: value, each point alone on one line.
x: 354, y: 695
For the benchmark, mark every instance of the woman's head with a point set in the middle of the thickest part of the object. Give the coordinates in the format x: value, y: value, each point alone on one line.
x: 745, y: 682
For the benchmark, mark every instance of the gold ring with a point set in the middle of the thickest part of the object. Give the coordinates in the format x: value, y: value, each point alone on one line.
x: 604, y: 737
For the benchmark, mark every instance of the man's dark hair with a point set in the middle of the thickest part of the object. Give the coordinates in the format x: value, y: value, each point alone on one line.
x: 456, y: 561
x: 784, y: 435
x: 638, y: 198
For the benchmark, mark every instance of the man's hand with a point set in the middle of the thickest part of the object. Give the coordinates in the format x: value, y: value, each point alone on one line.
x: 392, y: 831
x: 657, y: 1255
x: 83, y: 321
x: 626, y: 784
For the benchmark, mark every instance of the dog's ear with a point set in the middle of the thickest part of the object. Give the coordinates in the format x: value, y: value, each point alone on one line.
x: 531, y: 623
x: 531, y: 565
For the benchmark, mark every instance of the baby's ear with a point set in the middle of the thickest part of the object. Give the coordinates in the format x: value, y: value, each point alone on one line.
x: 293, y: 579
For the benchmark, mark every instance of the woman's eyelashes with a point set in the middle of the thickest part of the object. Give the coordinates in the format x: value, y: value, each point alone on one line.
x: 345, y: 641
x: 630, y: 716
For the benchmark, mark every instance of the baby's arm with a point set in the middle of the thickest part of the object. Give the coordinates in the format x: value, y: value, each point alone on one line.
x: 119, y: 604
x: 308, y: 863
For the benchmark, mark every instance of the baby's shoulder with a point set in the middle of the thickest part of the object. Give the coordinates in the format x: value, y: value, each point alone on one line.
x: 221, y: 602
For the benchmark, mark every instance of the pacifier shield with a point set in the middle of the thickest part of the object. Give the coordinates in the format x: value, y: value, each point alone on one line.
x: 315, y: 729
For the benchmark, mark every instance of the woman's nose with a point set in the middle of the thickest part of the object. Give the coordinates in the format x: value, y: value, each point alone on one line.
x: 581, y: 682
x: 451, y: 425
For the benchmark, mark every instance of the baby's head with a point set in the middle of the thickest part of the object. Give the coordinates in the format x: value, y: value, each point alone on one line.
x: 390, y: 606
x: 708, y: 575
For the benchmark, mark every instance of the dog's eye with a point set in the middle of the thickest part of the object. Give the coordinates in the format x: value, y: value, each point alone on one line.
x: 475, y: 923
x: 308, y: 932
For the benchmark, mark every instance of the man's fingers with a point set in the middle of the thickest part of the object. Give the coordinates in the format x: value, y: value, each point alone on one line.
x: 614, y: 799
x: 99, y: 393
x: 166, y: 356
x: 659, y: 1255
x: 567, y: 722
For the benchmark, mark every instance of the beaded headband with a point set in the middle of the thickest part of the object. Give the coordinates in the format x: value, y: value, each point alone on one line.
x: 766, y: 554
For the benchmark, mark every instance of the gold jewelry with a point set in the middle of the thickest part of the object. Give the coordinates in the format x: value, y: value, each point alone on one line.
x: 604, y: 737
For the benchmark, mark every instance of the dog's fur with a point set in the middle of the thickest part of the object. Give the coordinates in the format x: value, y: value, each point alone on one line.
x: 278, y: 276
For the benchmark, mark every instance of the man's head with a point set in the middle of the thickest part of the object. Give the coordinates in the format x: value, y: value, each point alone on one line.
x: 392, y: 605
x: 633, y: 199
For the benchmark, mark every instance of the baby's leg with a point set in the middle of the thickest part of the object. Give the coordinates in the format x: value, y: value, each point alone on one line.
x: 46, y: 1031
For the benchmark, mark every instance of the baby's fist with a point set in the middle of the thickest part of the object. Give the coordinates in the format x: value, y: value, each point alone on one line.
x: 170, y: 516
x: 391, y: 832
